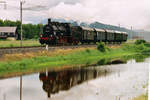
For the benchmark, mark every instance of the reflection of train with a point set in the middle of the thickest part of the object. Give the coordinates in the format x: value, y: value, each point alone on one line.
x: 64, y: 33
x: 53, y: 82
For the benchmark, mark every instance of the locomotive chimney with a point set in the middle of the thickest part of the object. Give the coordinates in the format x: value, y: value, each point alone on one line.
x: 49, y: 21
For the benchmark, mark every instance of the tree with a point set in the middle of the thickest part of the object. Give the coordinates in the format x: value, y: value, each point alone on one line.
x: 1, y: 23
x: 30, y: 31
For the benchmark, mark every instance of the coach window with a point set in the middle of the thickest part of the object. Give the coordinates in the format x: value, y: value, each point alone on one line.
x: 11, y: 34
x: 86, y: 34
x: 5, y: 33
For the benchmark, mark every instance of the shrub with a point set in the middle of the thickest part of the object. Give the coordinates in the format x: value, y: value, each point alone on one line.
x: 11, y: 45
x: 129, y: 47
x: 140, y: 47
x: 140, y: 42
x: 101, y: 46
x: 88, y: 51
x: 147, y: 44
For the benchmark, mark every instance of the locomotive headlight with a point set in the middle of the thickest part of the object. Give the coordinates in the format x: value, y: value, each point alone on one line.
x: 51, y: 35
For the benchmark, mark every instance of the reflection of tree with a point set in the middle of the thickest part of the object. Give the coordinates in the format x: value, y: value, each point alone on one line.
x: 64, y: 80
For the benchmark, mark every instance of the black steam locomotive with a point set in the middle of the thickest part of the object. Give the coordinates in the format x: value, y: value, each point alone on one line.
x: 64, y: 33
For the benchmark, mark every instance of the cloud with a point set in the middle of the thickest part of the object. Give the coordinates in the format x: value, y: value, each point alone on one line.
x: 51, y: 3
x: 75, y: 12
x: 124, y: 12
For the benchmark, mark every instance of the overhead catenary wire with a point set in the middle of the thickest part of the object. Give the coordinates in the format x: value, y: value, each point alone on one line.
x: 3, y: 2
x: 28, y: 7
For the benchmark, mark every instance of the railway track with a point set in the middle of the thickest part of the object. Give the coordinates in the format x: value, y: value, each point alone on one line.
x: 20, y: 47
x: 11, y: 50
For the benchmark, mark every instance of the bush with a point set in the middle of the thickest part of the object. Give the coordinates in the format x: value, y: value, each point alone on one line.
x: 101, y: 46
x: 140, y: 47
x: 128, y: 47
x: 140, y: 42
x: 88, y: 51
x: 147, y: 44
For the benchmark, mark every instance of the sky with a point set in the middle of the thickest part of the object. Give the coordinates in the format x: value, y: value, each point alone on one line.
x: 126, y: 13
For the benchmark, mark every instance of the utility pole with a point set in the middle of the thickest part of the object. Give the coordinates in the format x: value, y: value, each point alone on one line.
x: 20, y: 87
x: 21, y: 3
x: 21, y: 22
x: 131, y: 33
x: 4, y: 96
x: 119, y: 25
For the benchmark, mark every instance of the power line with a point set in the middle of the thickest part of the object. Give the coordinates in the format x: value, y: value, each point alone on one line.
x: 30, y: 7
x: 4, y: 2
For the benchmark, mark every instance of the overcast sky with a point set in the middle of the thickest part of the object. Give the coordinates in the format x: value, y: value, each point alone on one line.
x: 127, y: 13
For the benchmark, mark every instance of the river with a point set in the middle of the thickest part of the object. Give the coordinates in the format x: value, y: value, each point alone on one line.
x: 108, y: 82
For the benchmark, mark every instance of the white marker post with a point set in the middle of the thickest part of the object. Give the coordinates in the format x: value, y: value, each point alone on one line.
x: 47, y: 47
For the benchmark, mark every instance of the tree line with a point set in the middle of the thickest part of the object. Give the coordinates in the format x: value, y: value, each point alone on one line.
x: 30, y: 31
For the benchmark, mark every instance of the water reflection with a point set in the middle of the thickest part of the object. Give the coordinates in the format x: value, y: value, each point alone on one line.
x: 20, y: 88
x: 137, y: 57
x: 107, y: 82
x: 53, y: 82
x: 124, y: 59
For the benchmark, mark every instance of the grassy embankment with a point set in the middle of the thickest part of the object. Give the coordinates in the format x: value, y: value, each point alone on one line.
x: 17, y: 64
x: 16, y: 43
x: 142, y: 97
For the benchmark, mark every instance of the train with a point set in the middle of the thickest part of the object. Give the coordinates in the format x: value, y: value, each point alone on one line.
x: 54, y: 82
x: 55, y: 33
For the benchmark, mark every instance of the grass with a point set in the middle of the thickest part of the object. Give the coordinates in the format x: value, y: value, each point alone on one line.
x: 142, y: 97
x: 58, y: 52
x: 32, y: 62
x: 16, y: 43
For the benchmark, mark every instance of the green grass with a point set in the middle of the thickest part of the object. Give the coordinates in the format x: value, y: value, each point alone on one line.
x: 79, y: 58
x: 142, y: 97
x: 16, y: 43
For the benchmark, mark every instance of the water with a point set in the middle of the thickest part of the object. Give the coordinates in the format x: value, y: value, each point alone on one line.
x: 108, y: 82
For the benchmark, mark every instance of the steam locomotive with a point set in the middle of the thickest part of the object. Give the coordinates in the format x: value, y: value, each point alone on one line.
x: 64, y: 33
